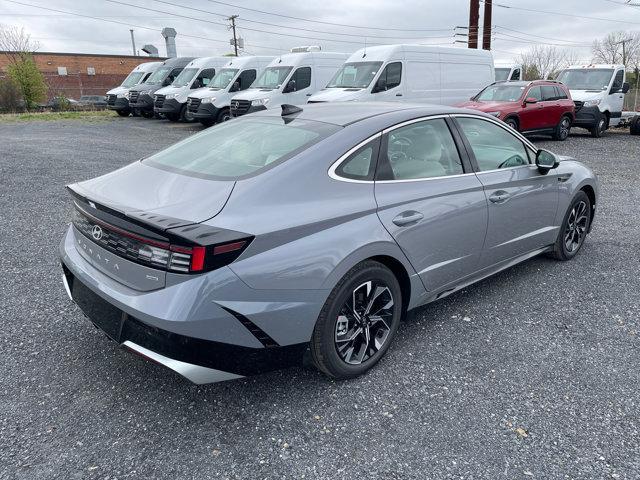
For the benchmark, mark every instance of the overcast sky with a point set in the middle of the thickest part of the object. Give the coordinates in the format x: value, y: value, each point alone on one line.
x: 385, y: 21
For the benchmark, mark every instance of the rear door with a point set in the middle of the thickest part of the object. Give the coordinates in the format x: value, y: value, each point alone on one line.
x: 430, y: 201
x: 552, y: 109
x: 521, y: 201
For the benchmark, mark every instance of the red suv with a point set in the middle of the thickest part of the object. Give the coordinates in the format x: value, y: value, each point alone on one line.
x: 540, y: 106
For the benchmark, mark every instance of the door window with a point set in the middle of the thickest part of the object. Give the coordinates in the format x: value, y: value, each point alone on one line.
x: 617, y: 81
x: 493, y: 146
x: 390, y: 77
x: 549, y: 93
x: 421, y: 150
x: 204, y: 78
x: 516, y: 74
x: 361, y: 164
x: 302, y: 77
x: 246, y: 78
x: 562, y: 95
x: 536, y: 93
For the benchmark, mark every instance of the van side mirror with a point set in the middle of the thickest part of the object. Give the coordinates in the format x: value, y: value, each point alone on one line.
x: 235, y: 87
x: 545, y: 161
x: 625, y: 87
x: 290, y: 87
x: 196, y: 84
x: 380, y: 86
x: 167, y: 81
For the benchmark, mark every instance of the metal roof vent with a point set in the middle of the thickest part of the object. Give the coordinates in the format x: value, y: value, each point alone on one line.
x: 151, y: 50
x: 169, y: 35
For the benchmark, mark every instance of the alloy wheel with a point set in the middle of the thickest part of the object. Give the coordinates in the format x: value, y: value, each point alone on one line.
x: 364, y: 323
x: 576, y: 227
x: 565, y: 126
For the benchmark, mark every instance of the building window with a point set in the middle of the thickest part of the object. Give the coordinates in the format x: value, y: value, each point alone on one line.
x: 91, y: 71
x: 62, y: 70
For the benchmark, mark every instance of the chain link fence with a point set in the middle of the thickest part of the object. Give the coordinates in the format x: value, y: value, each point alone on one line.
x: 632, y: 100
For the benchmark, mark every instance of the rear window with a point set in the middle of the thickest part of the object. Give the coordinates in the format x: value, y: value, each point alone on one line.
x: 244, y: 147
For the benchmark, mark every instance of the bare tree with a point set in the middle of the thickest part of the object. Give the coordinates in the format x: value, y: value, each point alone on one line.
x: 546, y: 60
x: 618, y: 47
x: 15, y: 42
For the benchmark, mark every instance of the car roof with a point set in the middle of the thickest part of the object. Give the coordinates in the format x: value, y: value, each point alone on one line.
x: 346, y: 113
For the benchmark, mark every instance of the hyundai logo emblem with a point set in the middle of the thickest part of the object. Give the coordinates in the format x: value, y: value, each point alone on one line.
x: 96, y: 232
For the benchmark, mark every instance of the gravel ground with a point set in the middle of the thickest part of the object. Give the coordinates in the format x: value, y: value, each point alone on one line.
x: 533, y: 373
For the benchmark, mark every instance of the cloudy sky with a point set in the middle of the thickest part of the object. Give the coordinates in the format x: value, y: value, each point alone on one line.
x: 270, y: 26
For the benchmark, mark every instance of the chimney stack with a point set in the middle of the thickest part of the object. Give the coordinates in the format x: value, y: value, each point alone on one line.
x: 169, y: 35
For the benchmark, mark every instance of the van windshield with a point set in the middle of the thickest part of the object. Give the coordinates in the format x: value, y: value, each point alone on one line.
x: 222, y: 78
x: 355, y: 75
x: 272, y: 77
x: 500, y: 93
x: 132, y: 79
x: 158, y: 76
x: 243, y: 147
x: 502, y: 74
x: 586, y: 78
x: 185, y: 77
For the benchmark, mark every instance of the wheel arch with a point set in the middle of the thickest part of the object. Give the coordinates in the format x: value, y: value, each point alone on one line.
x: 401, y: 274
x: 513, y: 116
x: 591, y: 193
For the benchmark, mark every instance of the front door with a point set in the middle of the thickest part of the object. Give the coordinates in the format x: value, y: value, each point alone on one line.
x: 303, y: 89
x: 521, y: 201
x: 532, y: 114
x: 616, y: 97
x: 388, y: 87
x: 430, y: 202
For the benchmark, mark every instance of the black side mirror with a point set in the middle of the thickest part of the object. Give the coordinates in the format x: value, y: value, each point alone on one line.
x: 545, y: 161
x: 167, y: 81
x: 196, y: 84
x: 380, y: 86
x: 235, y: 87
x: 625, y: 87
x: 290, y: 87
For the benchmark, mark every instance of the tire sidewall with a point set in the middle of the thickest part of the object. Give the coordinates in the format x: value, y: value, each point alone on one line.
x: 559, y: 135
x: 560, y: 246
x: 325, y: 328
x: 512, y: 123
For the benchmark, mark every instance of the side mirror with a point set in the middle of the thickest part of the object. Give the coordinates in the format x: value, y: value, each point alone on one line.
x: 380, y: 86
x: 291, y: 87
x: 167, y: 81
x: 196, y: 84
x: 235, y: 87
x: 545, y: 161
x: 530, y: 100
x: 625, y: 87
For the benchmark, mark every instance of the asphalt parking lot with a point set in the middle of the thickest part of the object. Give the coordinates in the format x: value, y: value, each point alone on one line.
x: 534, y: 373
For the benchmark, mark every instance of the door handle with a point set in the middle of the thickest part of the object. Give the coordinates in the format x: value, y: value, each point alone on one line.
x: 398, y: 94
x: 499, y: 196
x: 309, y: 94
x: 407, y: 218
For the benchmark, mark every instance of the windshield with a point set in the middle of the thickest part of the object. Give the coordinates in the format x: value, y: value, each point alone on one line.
x: 158, y: 76
x: 586, y: 79
x: 222, y: 78
x: 132, y: 79
x: 185, y: 77
x: 500, y: 93
x: 272, y: 77
x: 502, y: 74
x: 355, y: 75
x: 242, y: 147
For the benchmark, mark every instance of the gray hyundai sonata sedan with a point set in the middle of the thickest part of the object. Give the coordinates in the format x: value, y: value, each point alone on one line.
x: 310, y: 232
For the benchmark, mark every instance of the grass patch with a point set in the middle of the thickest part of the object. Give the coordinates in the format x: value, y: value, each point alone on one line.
x: 93, y: 116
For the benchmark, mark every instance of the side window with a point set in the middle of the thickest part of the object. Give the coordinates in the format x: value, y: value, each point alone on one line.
x: 562, y: 95
x: 493, y: 146
x: 204, y: 78
x: 390, y: 77
x: 246, y: 78
x: 146, y: 75
x: 174, y: 73
x: 516, y: 74
x: 535, y: 92
x: 617, y: 82
x: 549, y: 93
x: 421, y: 150
x: 302, y: 76
x: 360, y: 165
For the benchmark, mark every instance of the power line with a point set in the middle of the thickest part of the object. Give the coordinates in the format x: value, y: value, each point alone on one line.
x: 532, y: 35
x: 525, y: 40
x: 627, y: 3
x: 563, y: 14
x: 320, y: 21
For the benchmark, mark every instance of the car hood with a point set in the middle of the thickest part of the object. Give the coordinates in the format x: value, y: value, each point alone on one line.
x: 584, y: 95
x: 168, y: 90
x: 138, y: 190
x: 145, y: 86
x: 337, y: 95
x: 205, y: 93
x: 255, y: 93
x: 483, y: 106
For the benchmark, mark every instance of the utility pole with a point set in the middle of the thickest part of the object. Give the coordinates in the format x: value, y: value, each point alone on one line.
x: 486, y: 27
x: 232, y: 19
x: 474, y: 18
x: 133, y: 42
x: 624, y: 49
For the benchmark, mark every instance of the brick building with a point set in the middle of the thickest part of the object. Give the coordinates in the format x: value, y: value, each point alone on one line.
x: 76, y: 74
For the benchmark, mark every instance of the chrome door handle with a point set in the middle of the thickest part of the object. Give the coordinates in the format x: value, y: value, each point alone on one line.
x: 407, y: 218
x: 309, y: 94
x: 398, y: 94
x: 499, y: 197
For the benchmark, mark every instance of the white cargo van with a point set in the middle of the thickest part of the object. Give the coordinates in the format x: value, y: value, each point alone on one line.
x: 598, y: 93
x: 171, y: 101
x: 410, y: 73
x: 290, y: 78
x: 210, y: 105
x: 118, y: 98
x: 509, y: 72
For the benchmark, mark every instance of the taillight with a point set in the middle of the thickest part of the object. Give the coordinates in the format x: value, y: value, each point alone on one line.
x: 200, y: 259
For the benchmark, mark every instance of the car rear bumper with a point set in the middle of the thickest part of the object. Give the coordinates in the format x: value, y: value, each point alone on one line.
x: 190, y: 326
x: 587, y: 117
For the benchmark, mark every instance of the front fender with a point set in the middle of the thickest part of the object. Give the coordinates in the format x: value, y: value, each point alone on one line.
x: 574, y: 177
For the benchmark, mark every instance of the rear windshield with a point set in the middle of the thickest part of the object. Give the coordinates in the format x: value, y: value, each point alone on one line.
x: 246, y: 146
x: 500, y: 93
x: 133, y: 79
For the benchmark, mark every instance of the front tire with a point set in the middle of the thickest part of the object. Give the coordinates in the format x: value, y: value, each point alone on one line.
x: 574, y: 228
x: 357, y: 322
x: 598, y: 130
x: 223, y: 116
x: 147, y: 114
x: 563, y: 129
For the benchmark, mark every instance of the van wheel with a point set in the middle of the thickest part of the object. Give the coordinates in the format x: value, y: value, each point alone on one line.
x: 147, y: 114
x: 185, y: 115
x: 635, y: 125
x: 512, y: 122
x: 223, y: 116
x: 357, y: 322
x: 562, y: 130
x: 598, y: 130
x: 123, y: 113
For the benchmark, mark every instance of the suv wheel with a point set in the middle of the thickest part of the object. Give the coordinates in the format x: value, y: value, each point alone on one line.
x: 512, y: 122
x: 562, y: 130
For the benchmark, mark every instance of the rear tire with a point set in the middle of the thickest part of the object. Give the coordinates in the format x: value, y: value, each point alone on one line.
x: 563, y: 129
x: 512, y: 122
x: 635, y: 125
x: 345, y: 344
x: 574, y: 228
x: 123, y: 113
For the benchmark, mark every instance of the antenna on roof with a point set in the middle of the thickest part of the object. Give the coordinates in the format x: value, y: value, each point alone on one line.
x: 289, y: 109
x: 365, y: 48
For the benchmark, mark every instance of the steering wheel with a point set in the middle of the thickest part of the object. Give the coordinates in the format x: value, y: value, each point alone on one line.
x: 516, y: 159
